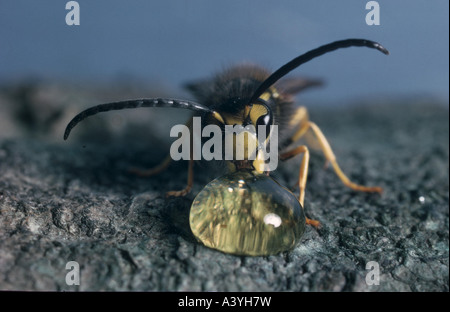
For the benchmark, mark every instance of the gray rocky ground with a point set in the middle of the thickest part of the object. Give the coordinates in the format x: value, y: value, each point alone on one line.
x: 74, y: 201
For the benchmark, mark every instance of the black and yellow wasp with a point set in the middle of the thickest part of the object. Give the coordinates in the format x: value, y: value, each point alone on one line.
x: 245, y: 211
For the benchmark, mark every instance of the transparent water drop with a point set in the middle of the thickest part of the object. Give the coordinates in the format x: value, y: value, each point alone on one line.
x: 247, y: 214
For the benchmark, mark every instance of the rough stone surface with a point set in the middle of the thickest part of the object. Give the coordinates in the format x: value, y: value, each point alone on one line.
x: 74, y: 201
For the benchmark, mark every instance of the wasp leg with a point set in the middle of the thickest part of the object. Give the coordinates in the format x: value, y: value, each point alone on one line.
x: 152, y: 171
x: 299, y: 118
x: 329, y: 155
x: 166, y: 162
x: 303, y: 175
x: 300, y: 121
x: 190, y: 181
x: 163, y: 165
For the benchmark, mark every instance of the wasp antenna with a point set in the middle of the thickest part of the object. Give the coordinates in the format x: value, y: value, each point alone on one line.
x: 304, y: 58
x: 156, y: 102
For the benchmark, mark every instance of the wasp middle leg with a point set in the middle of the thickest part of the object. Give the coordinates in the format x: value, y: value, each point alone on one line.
x: 152, y: 171
x: 303, y: 175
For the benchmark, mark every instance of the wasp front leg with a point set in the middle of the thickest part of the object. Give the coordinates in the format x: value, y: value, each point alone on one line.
x: 303, y: 175
x: 165, y: 163
x: 152, y: 171
x: 190, y: 182
x: 304, y: 126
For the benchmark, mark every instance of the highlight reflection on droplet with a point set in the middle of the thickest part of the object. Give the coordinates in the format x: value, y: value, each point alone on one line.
x: 272, y: 219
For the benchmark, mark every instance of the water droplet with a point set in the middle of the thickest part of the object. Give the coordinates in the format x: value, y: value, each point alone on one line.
x: 256, y: 215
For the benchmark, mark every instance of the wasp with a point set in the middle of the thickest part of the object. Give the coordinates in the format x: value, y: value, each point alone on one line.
x: 246, y: 211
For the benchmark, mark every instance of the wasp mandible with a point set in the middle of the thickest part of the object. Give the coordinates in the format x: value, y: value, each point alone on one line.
x: 247, y: 212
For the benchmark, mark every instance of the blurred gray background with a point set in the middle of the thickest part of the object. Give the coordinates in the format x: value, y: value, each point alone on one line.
x: 166, y: 43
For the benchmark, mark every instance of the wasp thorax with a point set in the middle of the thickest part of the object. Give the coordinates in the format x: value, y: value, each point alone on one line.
x: 246, y: 213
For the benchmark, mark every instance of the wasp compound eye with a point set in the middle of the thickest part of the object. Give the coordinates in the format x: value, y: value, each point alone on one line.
x: 265, y: 121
